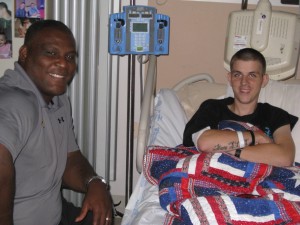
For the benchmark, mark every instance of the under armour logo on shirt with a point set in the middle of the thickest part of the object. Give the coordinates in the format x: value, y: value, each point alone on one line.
x: 61, y: 120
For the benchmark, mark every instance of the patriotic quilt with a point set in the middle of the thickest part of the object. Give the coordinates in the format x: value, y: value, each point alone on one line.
x: 206, y: 188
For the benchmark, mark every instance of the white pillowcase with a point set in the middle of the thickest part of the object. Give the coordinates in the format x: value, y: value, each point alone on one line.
x: 168, y: 120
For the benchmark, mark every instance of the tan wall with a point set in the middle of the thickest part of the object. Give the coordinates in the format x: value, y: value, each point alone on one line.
x: 197, y: 39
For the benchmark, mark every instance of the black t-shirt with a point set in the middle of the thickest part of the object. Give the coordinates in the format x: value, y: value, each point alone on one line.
x: 212, y: 112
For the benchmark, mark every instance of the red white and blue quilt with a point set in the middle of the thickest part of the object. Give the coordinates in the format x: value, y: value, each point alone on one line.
x: 205, y: 188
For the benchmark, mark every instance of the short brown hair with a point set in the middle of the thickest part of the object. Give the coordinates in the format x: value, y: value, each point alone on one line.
x: 249, y: 54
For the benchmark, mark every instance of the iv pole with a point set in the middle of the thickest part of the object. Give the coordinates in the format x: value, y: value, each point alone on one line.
x: 130, y: 124
x: 140, y: 29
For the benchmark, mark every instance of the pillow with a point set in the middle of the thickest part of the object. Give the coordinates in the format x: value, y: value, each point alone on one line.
x: 192, y: 95
x: 168, y: 120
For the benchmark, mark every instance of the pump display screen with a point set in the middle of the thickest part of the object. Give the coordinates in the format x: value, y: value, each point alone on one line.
x: 140, y: 27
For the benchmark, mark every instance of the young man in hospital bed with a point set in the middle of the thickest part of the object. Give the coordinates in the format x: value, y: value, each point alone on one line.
x: 212, y: 186
x: 256, y: 132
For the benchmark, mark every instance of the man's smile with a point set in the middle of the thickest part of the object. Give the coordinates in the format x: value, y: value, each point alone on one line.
x: 56, y: 75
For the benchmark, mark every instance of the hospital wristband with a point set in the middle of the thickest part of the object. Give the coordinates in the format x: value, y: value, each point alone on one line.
x: 241, y: 139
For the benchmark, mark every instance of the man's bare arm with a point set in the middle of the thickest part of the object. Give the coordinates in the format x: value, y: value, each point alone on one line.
x: 77, y: 171
x: 7, y: 186
x: 280, y: 152
x: 213, y: 140
x: 97, y: 198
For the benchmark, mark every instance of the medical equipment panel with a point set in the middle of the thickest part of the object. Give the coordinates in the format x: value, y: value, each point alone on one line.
x: 139, y: 30
x: 275, y: 34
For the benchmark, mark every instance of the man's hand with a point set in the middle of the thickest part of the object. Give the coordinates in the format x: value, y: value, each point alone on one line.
x: 262, y: 138
x: 97, y: 200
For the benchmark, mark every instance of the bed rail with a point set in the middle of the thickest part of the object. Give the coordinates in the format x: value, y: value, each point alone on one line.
x: 194, y: 78
x: 146, y: 111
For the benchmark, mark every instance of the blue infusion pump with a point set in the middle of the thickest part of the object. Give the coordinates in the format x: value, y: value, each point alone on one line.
x: 139, y: 30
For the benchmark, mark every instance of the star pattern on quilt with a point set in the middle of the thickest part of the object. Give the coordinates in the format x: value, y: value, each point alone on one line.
x: 297, y: 178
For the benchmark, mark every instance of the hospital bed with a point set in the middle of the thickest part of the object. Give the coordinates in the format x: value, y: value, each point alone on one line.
x: 163, y: 118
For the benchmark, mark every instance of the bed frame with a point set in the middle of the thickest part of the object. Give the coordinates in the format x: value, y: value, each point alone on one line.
x: 146, y: 112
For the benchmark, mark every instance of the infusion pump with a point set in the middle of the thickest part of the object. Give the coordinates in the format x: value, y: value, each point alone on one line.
x: 275, y: 34
x: 139, y: 30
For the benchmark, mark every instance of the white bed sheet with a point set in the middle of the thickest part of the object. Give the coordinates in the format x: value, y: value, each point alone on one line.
x: 143, y: 207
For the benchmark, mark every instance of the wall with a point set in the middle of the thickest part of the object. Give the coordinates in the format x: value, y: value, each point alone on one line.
x: 198, y: 31
x: 16, y: 43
